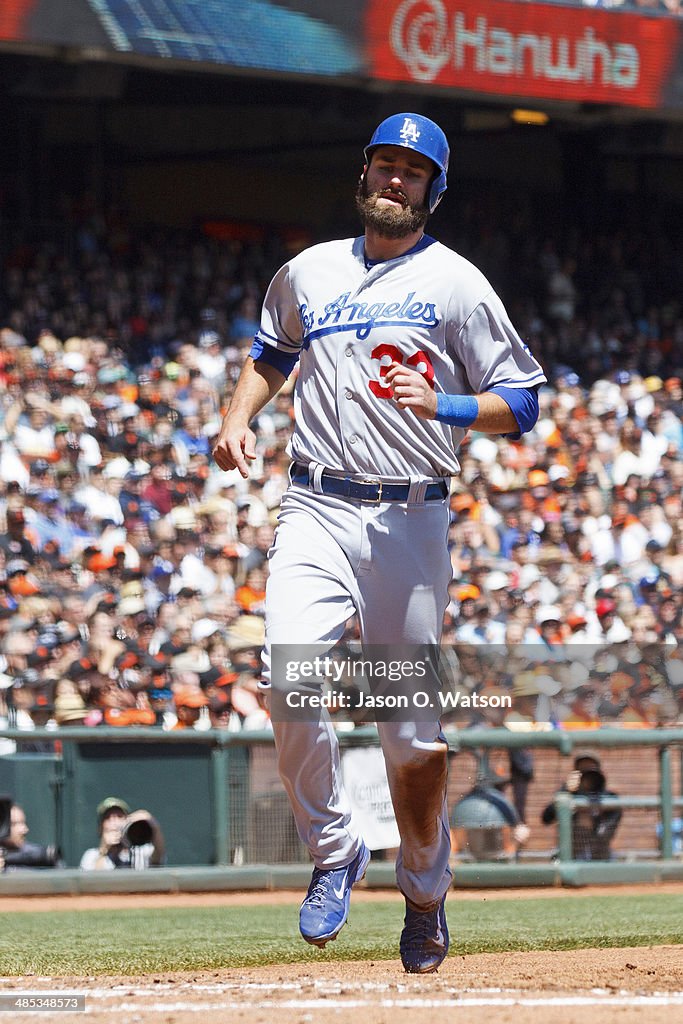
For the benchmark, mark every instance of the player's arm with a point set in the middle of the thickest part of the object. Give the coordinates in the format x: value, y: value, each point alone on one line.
x: 259, y: 381
x: 489, y: 412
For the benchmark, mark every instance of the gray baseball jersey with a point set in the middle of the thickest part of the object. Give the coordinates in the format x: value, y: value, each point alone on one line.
x: 430, y: 309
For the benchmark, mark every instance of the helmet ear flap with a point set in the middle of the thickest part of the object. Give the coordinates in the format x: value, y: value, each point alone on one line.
x: 436, y: 190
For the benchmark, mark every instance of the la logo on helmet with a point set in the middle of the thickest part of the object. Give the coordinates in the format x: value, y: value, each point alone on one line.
x: 409, y: 130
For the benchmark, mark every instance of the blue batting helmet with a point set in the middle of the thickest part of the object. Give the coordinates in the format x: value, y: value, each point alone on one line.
x: 417, y: 132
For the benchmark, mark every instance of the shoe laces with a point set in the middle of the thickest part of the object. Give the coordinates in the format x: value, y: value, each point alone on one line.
x: 419, y: 926
x: 319, y: 889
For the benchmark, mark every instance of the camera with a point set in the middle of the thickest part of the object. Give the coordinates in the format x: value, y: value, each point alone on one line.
x: 137, y: 833
x: 141, y: 828
x: 33, y: 856
x: 592, y: 782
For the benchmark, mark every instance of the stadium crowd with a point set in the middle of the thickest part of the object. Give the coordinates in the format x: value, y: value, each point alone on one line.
x: 133, y: 571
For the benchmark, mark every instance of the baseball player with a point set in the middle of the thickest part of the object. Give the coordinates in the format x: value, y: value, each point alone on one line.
x: 402, y: 346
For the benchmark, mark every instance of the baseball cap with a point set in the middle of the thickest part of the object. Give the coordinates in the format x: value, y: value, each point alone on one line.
x: 605, y: 607
x: 548, y: 613
x: 79, y: 668
x: 247, y: 631
x: 74, y: 361
x: 15, y: 566
x: 587, y: 755
x: 217, y: 677
x: 524, y: 685
x: 551, y: 553
x: 189, y: 698
x: 497, y: 580
x: 203, y: 629
x: 110, y: 374
x: 528, y: 575
x: 460, y: 502
x: 576, y: 619
x: 131, y: 605
x: 49, y: 496
x: 100, y: 562
x: 162, y: 568
x: 111, y: 803
x: 468, y: 592
x: 70, y: 707
x: 209, y: 338
x: 111, y: 401
x: 160, y: 693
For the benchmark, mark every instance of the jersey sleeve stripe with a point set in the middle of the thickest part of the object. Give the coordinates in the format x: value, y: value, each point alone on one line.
x: 279, y: 342
x: 532, y: 380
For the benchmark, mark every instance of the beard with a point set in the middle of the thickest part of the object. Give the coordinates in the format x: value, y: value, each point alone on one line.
x: 387, y: 221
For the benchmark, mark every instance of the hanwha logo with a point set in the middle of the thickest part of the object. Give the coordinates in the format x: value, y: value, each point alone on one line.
x: 419, y: 36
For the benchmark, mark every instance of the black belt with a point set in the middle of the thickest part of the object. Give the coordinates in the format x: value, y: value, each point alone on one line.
x: 372, y: 491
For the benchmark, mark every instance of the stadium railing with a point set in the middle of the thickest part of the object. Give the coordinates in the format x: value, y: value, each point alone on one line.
x: 201, y: 787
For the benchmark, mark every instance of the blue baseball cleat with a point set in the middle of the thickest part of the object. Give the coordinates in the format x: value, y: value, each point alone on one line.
x: 326, y: 906
x: 424, y: 939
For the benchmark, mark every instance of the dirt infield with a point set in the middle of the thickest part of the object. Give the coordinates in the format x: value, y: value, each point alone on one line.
x: 619, y: 986
x: 608, y: 986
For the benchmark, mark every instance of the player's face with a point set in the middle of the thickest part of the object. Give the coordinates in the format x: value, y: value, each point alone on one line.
x: 392, y: 192
x: 18, y: 827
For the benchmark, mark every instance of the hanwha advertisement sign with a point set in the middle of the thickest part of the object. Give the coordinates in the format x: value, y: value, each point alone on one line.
x: 523, y: 49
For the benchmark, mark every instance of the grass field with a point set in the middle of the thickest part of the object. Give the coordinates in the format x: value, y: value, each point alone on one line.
x: 91, y: 942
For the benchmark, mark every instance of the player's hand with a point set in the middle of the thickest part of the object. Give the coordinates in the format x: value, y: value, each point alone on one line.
x: 573, y: 781
x: 235, y: 445
x: 411, y: 390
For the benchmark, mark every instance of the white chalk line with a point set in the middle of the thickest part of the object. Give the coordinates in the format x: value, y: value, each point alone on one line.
x: 466, y: 1002
x: 473, y: 998
x: 333, y: 994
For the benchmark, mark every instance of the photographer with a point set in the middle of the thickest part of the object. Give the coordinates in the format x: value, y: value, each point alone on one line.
x: 593, y: 827
x: 16, y: 853
x: 126, y: 840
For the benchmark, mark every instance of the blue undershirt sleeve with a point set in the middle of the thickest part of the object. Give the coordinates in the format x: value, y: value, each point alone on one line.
x: 282, y: 361
x: 523, y: 403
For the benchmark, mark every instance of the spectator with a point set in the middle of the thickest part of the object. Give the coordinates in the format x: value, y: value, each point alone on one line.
x: 126, y: 840
x: 593, y: 827
x: 17, y: 853
x: 189, y: 704
x: 485, y: 825
x: 15, y: 542
x: 108, y: 418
